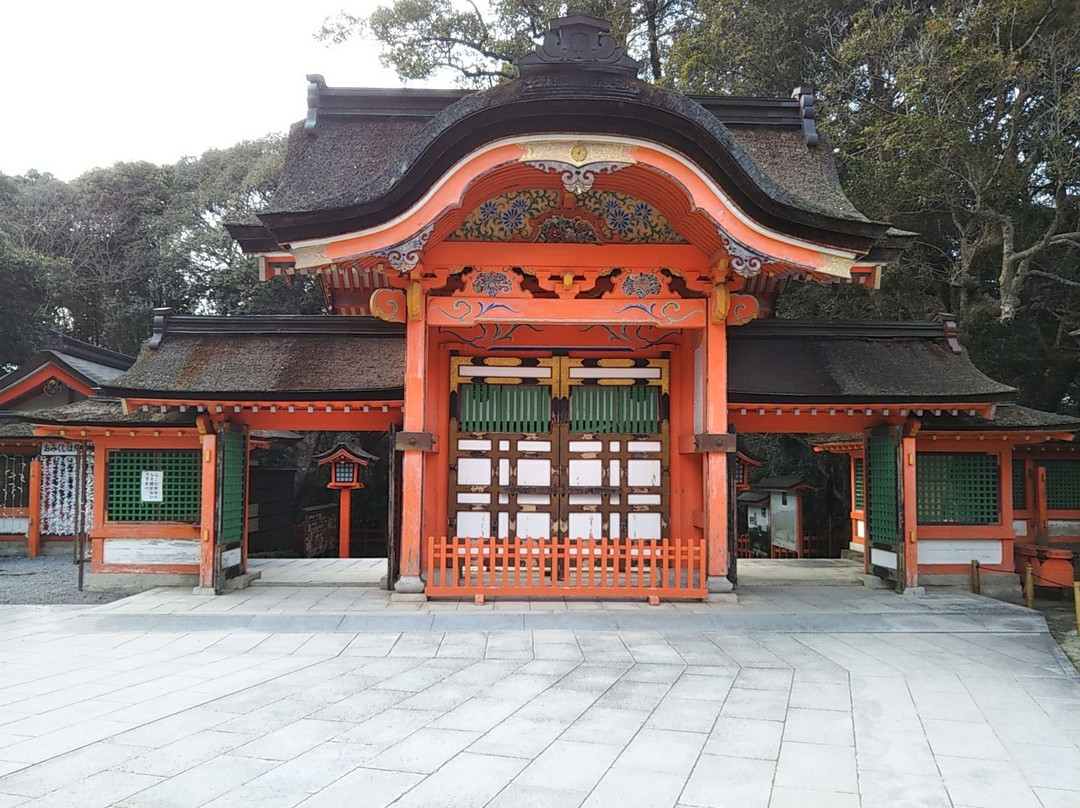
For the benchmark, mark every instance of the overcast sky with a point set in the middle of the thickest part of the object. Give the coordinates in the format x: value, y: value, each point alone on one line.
x: 86, y: 83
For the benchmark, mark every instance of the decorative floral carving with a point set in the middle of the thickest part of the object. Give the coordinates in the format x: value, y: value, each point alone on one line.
x: 745, y: 262
x: 628, y: 219
x: 640, y: 284
x: 576, y: 179
x: 491, y: 283
x: 535, y: 215
x: 562, y: 230
x: 405, y: 256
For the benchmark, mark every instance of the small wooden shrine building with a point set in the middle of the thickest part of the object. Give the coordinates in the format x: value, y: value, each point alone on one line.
x: 559, y: 293
x: 38, y: 476
x: 773, y: 512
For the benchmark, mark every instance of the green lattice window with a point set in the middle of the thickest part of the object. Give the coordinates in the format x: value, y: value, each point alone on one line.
x: 883, y: 517
x: 1019, y: 487
x: 859, y: 494
x: 233, y: 448
x: 180, y: 486
x: 957, y: 489
x: 611, y: 409
x: 1062, y: 484
x: 504, y: 408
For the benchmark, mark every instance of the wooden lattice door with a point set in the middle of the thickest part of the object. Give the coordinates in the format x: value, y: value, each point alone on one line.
x: 558, y: 447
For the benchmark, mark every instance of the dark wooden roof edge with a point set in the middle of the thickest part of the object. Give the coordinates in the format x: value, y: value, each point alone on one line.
x: 105, y: 411
x: 55, y: 347
x: 67, y: 344
x: 837, y: 329
x: 167, y: 323
x: 252, y: 238
x: 384, y: 395
x: 737, y: 398
x: 388, y: 395
x: 325, y: 102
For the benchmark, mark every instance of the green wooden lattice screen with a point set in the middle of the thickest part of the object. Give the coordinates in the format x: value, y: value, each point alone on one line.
x: 1019, y: 488
x: 505, y: 408
x: 1062, y: 484
x: 233, y: 448
x: 605, y: 409
x: 957, y: 488
x: 883, y: 517
x: 181, y: 486
x: 860, y: 484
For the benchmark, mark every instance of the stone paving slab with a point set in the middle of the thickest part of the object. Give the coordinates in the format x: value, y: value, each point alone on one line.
x: 817, y: 696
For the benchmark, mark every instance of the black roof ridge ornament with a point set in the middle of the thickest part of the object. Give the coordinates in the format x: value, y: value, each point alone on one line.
x: 578, y: 42
x: 316, y: 83
x: 804, y: 94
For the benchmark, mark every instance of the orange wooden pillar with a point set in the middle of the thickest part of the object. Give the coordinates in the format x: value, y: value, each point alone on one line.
x: 714, y: 408
x: 344, y: 522
x: 412, y: 465
x: 911, y: 514
x: 33, y: 531
x: 207, y: 560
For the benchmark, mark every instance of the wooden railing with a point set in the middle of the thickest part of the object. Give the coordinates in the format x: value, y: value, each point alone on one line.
x: 560, y: 567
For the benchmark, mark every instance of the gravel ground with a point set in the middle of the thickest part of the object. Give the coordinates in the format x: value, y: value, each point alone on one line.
x: 46, y: 580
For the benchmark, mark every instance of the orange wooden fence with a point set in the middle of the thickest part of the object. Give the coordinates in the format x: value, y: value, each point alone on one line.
x: 558, y: 567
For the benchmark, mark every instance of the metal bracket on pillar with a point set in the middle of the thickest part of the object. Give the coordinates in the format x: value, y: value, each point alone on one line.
x: 414, y: 442
x: 706, y: 442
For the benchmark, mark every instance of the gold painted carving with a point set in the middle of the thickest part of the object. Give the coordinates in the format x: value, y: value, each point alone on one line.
x: 576, y: 152
x: 837, y: 267
x: 413, y: 300
x: 721, y: 301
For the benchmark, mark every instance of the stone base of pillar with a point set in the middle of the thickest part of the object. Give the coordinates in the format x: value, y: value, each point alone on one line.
x: 718, y: 584
x: 915, y: 591
x: 408, y: 597
x: 722, y: 597
x: 409, y: 584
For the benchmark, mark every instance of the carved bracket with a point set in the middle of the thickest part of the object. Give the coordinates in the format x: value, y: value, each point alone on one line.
x: 405, y: 256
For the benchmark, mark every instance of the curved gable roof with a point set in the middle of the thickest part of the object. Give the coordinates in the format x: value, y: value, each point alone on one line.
x: 366, y: 156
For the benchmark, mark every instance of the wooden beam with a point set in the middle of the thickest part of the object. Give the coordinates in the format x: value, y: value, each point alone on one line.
x: 561, y: 256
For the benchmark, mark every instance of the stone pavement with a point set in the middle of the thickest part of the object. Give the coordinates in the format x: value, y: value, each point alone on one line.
x: 337, y: 696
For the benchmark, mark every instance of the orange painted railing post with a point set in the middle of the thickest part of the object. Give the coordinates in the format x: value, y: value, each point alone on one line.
x: 344, y: 523
x: 412, y: 464
x: 33, y: 531
x: 208, y: 520
x: 715, y: 422
x: 911, y: 514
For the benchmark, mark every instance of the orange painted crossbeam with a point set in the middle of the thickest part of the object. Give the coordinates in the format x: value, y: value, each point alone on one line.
x: 462, y: 310
x: 567, y: 256
x: 556, y: 567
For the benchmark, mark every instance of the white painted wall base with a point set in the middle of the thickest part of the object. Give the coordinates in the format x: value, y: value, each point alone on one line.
x: 959, y: 551
x: 151, y: 551
x: 883, y: 558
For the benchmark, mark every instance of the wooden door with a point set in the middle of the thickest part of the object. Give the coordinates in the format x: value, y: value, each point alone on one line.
x: 574, y: 448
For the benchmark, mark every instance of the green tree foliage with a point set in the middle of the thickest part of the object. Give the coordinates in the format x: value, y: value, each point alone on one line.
x: 98, y: 253
x: 21, y: 317
x: 961, y: 121
x: 752, y: 47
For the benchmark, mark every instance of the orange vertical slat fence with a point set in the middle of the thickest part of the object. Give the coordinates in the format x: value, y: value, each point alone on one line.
x: 562, y: 567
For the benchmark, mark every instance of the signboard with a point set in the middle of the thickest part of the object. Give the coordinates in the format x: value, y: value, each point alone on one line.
x: 153, y: 487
